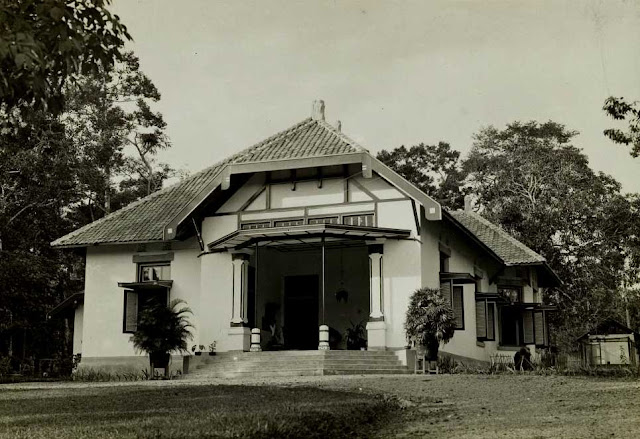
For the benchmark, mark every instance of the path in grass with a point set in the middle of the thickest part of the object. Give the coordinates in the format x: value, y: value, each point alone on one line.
x: 183, y: 411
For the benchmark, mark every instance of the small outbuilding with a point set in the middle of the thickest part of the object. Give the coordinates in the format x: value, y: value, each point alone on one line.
x: 611, y: 343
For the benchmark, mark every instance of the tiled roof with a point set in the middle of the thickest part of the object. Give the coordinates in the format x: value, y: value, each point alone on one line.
x: 505, y: 246
x: 144, y: 220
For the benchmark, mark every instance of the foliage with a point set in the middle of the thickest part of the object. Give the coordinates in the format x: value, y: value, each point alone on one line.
x: 620, y: 109
x: 530, y: 179
x: 43, y: 43
x: 163, y: 328
x: 434, y: 169
x: 118, y: 134
x: 429, y: 320
x: 356, y: 336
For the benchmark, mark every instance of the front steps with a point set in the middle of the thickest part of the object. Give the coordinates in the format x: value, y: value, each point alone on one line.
x: 294, y: 363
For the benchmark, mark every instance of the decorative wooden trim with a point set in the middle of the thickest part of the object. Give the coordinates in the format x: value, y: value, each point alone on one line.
x: 415, y: 216
x: 252, y: 198
x: 364, y: 189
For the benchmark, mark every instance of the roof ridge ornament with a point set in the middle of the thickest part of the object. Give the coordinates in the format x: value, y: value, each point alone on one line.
x: 317, y: 111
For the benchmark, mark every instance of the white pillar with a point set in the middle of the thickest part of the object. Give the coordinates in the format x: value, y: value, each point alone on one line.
x: 375, y: 279
x: 240, y: 288
x: 376, y: 328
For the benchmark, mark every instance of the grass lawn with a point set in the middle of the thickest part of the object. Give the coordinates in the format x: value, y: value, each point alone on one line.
x: 200, y: 411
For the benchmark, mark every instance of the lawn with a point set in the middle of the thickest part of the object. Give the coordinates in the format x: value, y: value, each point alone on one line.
x: 201, y: 411
x: 443, y: 406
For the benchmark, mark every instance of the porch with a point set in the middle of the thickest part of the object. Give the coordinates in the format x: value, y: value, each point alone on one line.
x: 307, y: 287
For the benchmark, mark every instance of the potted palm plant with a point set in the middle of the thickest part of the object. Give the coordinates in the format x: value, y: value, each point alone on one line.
x: 163, y: 329
x: 429, y: 322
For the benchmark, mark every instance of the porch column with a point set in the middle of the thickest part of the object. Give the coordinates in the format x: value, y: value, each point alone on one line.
x: 239, y: 334
x: 376, y: 327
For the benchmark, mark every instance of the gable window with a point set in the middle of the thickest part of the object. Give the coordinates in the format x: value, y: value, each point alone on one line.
x: 365, y: 220
x: 287, y: 223
x: 444, y: 262
x: 154, y: 272
x: 254, y: 226
x: 454, y: 295
x: 324, y: 220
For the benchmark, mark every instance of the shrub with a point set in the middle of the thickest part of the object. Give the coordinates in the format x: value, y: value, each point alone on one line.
x: 429, y: 321
x: 163, y: 329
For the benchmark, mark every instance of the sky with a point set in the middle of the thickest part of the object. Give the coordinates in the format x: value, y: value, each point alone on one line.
x: 232, y: 73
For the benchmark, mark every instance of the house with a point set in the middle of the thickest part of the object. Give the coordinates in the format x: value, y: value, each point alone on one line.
x: 611, y: 343
x: 303, y: 229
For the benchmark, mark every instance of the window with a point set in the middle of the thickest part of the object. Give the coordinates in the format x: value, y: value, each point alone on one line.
x: 253, y: 226
x: 287, y: 223
x: 454, y: 295
x: 444, y: 262
x: 513, y: 294
x: 153, y: 272
x: 458, y: 306
x: 325, y: 220
x: 365, y: 220
x: 485, y: 320
x: 135, y: 302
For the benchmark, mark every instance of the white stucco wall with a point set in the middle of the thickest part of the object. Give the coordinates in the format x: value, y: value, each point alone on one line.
x: 102, y: 334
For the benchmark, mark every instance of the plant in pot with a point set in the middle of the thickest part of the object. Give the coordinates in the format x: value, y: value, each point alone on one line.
x: 429, y: 322
x: 356, y: 336
x: 197, y: 349
x: 162, y: 329
x: 212, y: 348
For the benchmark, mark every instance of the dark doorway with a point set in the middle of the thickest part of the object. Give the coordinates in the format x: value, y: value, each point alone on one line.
x: 510, y: 327
x: 301, y: 312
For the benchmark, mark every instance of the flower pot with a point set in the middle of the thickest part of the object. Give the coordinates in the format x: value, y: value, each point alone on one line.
x: 212, y: 354
x: 198, y: 353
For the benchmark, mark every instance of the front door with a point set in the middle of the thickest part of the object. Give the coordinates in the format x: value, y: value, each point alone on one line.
x: 510, y: 333
x: 301, y: 312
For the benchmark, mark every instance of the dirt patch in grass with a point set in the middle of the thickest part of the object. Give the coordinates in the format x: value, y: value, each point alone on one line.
x: 191, y: 412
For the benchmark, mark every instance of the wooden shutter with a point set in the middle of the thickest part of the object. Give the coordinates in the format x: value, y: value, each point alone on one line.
x: 458, y: 306
x: 541, y: 333
x: 445, y: 290
x: 130, y: 311
x: 481, y: 319
x: 491, y: 321
x: 527, y: 324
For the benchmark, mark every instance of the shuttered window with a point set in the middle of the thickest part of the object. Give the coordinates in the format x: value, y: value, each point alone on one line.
x: 527, y: 324
x: 485, y: 320
x: 445, y: 290
x: 481, y: 319
x: 491, y: 321
x: 458, y: 306
x: 130, y: 311
x: 540, y: 328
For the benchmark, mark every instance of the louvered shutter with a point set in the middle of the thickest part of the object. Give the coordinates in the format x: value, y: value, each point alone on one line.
x: 481, y: 319
x: 445, y: 290
x: 491, y: 321
x: 527, y: 323
x: 130, y: 311
x: 541, y: 333
x: 458, y: 307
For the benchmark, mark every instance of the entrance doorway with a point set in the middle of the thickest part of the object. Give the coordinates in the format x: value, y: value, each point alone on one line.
x: 511, y: 333
x: 301, y: 312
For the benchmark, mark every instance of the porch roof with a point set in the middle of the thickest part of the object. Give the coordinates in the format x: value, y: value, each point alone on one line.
x: 304, y: 234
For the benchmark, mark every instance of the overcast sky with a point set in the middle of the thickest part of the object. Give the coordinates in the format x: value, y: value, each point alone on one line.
x: 395, y: 72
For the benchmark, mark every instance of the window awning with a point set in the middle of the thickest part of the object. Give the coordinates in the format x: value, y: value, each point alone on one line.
x: 149, y: 285
x: 459, y: 278
x: 67, y: 304
x: 305, y: 234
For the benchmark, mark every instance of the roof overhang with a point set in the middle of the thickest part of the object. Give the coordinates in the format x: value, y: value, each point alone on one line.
x: 305, y: 234
x: 432, y: 209
x: 67, y: 304
x: 148, y: 285
x: 459, y: 278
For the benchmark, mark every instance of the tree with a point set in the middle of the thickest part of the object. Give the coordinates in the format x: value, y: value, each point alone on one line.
x: 530, y: 179
x: 620, y: 109
x: 434, y: 169
x: 109, y: 115
x: 429, y: 321
x: 44, y: 43
x: 37, y: 184
x: 163, y: 329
